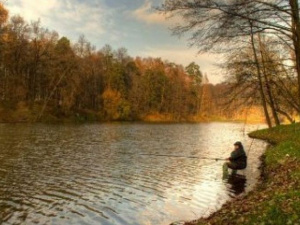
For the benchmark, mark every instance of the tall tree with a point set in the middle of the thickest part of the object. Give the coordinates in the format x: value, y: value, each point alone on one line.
x: 260, y: 79
x: 219, y: 25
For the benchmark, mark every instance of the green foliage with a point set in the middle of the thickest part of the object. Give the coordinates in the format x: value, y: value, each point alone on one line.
x: 154, y: 82
x: 193, y: 70
x: 63, y: 46
x: 124, y: 110
x: 119, y: 79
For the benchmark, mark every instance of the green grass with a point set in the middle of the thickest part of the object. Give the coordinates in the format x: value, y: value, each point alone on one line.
x: 286, y: 141
x: 276, y: 200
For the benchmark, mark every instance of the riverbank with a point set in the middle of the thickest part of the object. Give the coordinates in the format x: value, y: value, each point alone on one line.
x: 24, y: 114
x: 276, y: 199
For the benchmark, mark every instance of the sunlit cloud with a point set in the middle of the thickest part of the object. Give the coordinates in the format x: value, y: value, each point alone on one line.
x: 30, y: 9
x: 120, y: 23
x: 66, y: 16
x: 147, y: 13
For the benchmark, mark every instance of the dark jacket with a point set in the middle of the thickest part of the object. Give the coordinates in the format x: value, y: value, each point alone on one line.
x: 238, y: 159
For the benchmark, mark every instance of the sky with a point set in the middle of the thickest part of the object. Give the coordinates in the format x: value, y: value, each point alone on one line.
x: 132, y: 24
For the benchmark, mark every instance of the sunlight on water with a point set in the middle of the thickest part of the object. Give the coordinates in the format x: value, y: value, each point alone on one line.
x: 97, y: 174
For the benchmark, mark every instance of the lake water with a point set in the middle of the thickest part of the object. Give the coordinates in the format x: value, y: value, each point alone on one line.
x: 97, y: 174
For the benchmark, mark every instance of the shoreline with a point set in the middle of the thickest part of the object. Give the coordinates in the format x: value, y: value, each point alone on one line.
x: 26, y: 115
x: 276, y: 197
x: 74, y: 121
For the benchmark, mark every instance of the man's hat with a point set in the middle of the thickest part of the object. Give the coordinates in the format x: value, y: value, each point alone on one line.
x: 238, y: 143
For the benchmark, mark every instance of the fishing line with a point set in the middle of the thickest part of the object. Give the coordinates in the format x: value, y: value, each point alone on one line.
x: 250, y: 146
x: 253, y: 139
x: 174, y: 156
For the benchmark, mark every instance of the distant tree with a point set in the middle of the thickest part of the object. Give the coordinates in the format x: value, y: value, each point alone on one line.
x: 83, y: 47
x: 3, y: 15
x: 194, y: 71
x: 3, y: 72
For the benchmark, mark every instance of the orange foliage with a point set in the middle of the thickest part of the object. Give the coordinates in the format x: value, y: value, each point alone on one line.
x: 3, y: 14
x: 157, y: 117
x: 111, y: 103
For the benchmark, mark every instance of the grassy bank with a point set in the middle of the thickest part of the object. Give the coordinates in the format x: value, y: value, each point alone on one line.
x: 276, y: 200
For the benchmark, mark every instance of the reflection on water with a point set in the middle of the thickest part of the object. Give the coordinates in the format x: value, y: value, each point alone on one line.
x: 75, y: 174
x: 238, y: 183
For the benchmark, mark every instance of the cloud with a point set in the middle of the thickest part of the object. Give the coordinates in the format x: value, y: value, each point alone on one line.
x: 109, y: 21
x: 187, y: 55
x: 147, y: 14
x: 68, y: 17
x: 31, y: 9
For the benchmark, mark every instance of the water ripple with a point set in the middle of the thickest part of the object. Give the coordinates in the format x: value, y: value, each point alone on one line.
x: 113, y: 174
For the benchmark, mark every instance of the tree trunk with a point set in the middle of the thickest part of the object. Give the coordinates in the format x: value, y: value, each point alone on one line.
x: 296, y: 38
x: 162, y: 99
x: 261, y: 89
x: 290, y: 119
x: 267, y: 84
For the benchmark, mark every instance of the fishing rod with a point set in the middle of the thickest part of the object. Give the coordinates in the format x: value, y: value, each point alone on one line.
x: 175, y: 156
x: 253, y: 139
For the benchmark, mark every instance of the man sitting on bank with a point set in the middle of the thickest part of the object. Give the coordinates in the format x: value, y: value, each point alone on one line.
x: 237, y: 159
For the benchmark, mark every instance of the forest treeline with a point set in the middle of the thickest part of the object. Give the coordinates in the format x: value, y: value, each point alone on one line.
x: 46, y: 77
x: 260, y: 40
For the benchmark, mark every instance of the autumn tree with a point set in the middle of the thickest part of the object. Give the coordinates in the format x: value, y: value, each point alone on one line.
x: 48, y: 76
x: 3, y: 15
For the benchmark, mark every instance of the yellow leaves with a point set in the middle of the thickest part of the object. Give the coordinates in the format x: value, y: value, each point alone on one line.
x: 3, y: 14
x: 158, y: 117
x: 281, y: 161
x: 115, y: 107
x: 111, y: 96
x: 111, y: 102
x: 5, y: 37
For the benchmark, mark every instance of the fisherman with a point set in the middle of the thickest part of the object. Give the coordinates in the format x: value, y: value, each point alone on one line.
x: 237, y: 159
